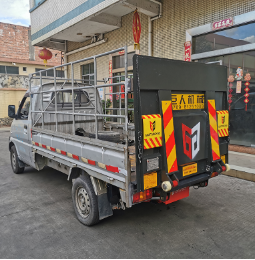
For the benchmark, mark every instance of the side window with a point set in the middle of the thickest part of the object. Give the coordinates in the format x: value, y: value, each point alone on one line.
x: 88, y: 73
x: 24, y: 107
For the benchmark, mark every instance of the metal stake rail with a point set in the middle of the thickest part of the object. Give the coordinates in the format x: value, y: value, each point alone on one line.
x: 73, y: 88
x: 86, y: 87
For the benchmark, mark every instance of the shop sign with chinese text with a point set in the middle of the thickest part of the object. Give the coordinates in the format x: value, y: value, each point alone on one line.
x: 223, y: 24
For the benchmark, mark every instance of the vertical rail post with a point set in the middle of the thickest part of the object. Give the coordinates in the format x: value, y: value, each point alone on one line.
x: 105, y: 104
x: 126, y: 92
x: 120, y: 99
x: 127, y: 165
x: 31, y: 99
x: 95, y: 84
x: 72, y: 74
x: 56, y: 106
x: 41, y: 89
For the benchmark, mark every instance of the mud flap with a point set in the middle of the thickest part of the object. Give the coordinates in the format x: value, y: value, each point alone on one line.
x: 21, y: 164
x: 104, y: 206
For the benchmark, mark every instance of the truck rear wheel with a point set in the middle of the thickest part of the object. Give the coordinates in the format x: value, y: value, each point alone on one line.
x: 15, y: 161
x: 85, y: 201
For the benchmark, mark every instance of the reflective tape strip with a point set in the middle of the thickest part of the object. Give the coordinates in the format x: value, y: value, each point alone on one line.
x: 151, y: 116
x: 222, y: 112
x: 76, y: 157
x: 101, y: 165
x: 223, y: 132
x: 91, y: 162
x: 152, y: 142
x: 213, y: 130
x: 223, y: 126
x: 84, y: 159
x: 169, y: 136
x: 112, y: 169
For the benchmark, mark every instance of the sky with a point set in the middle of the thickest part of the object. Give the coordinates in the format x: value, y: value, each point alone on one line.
x: 15, y: 12
x: 244, y: 32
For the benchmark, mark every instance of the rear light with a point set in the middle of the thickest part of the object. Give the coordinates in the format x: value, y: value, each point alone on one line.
x: 142, y: 196
x: 214, y: 174
x: 148, y: 194
x: 175, y: 183
x: 223, y: 168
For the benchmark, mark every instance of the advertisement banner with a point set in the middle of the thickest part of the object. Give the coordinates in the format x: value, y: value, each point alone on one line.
x: 187, y: 54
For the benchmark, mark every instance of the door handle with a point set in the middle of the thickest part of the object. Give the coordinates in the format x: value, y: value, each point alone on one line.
x: 25, y: 126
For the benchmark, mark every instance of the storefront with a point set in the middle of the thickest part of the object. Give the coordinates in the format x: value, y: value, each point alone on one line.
x: 231, y: 42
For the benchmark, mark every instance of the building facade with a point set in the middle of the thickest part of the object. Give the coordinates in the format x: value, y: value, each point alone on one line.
x: 84, y: 28
x: 18, y: 58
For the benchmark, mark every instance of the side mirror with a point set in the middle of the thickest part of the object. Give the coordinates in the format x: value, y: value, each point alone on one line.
x: 11, y: 111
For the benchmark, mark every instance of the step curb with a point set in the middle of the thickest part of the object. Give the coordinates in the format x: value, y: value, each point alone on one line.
x: 248, y: 176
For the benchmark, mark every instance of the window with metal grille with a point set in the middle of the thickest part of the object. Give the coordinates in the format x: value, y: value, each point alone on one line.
x: 50, y: 73
x: 9, y: 70
x: 88, y: 73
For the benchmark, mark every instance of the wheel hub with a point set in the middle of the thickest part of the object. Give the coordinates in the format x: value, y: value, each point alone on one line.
x: 82, y: 202
x: 13, y: 159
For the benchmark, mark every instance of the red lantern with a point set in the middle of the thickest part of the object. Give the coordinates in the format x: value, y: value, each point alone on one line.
x: 136, y: 30
x: 247, y: 84
x: 45, y: 55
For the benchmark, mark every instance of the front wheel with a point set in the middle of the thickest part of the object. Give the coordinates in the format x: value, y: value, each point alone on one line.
x: 85, y: 201
x: 15, y: 161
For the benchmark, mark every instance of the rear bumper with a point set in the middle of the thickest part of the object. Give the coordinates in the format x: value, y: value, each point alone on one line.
x: 192, y: 181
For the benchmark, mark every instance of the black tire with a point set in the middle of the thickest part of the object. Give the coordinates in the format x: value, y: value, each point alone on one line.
x: 109, y: 136
x: 85, y: 200
x: 15, y: 161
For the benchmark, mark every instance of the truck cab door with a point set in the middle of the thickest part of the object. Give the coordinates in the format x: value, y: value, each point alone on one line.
x: 21, y: 129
